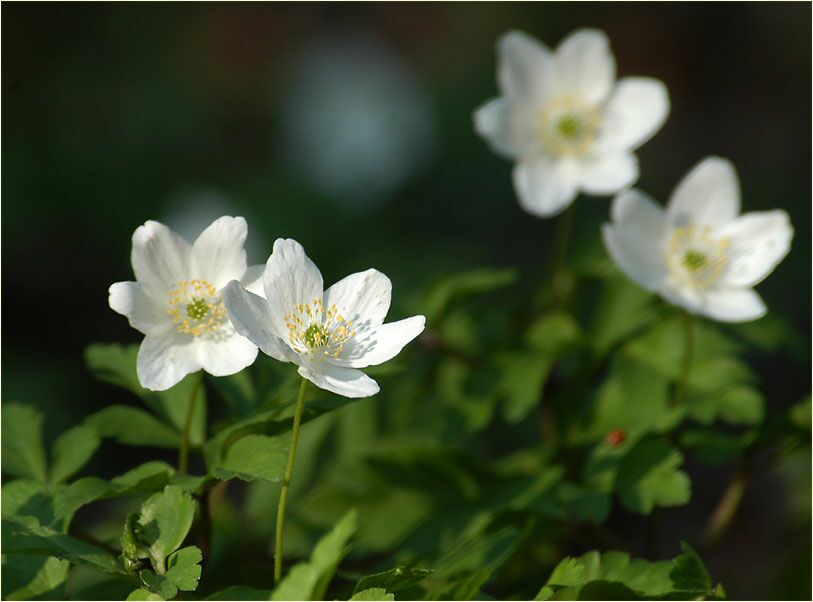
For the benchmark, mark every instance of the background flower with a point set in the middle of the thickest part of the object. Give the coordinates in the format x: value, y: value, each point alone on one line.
x: 566, y: 121
x: 176, y: 301
x: 700, y: 253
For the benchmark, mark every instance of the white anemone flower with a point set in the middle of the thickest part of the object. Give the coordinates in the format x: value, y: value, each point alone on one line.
x: 329, y: 334
x: 176, y: 301
x: 699, y: 253
x: 566, y: 121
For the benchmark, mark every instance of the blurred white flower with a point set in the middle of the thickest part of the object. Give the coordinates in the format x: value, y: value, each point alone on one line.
x: 328, y: 334
x: 699, y: 253
x: 176, y: 301
x: 565, y: 120
x: 356, y: 122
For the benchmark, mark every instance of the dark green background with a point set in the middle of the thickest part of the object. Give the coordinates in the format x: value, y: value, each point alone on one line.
x: 111, y: 111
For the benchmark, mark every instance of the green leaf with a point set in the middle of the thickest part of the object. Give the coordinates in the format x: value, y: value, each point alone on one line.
x: 254, y: 457
x: 553, y: 333
x: 615, y: 576
x: 375, y: 593
x: 621, y: 310
x: 688, y: 572
x: 116, y: 364
x: 241, y: 592
x: 522, y: 378
x: 72, y: 451
x: 22, y: 449
x: 165, y: 520
x: 33, y: 577
x: 143, y: 594
x: 147, y: 478
x: 183, y: 573
x: 70, y: 498
x: 393, y: 580
x: 27, y: 498
x: 466, y: 283
x: 24, y: 535
x: 714, y: 447
x: 648, y: 476
x: 132, y: 426
x: 309, y: 580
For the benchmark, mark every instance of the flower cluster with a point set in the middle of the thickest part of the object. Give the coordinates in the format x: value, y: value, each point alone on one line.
x: 200, y: 307
x: 570, y: 126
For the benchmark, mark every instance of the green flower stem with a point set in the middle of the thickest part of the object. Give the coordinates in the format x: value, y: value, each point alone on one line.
x: 286, y: 483
x: 564, y: 226
x: 183, y: 452
x: 688, y: 355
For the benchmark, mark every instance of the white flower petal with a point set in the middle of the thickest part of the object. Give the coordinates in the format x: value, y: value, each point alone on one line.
x: 160, y: 258
x: 163, y: 360
x: 219, y: 252
x: 637, y: 109
x: 585, y: 66
x: 733, y: 305
x: 383, y: 344
x: 759, y: 241
x: 635, y: 240
x: 252, y: 280
x: 497, y: 121
x: 709, y: 195
x: 225, y: 353
x: 144, y: 314
x: 251, y: 317
x: 545, y: 186
x: 290, y: 278
x: 362, y: 298
x: 608, y: 173
x: 723, y: 304
x: 348, y: 382
x: 525, y: 67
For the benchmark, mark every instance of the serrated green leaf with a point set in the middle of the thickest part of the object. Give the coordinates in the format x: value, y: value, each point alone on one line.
x: 33, y: 577
x: 165, y: 520
x: 309, y: 580
x: 648, y: 476
x: 72, y: 451
x: 27, y: 498
x: 22, y: 449
x: 24, y: 535
x: 393, y: 580
x: 147, y: 478
x: 523, y: 376
x: 374, y: 593
x: 688, y: 572
x: 254, y: 457
x: 132, y: 426
x: 69, y: 498
x: 183, y: 568
x: 143, y: 594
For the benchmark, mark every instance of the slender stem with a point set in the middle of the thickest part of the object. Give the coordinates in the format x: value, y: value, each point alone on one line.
x: 286, y: 483
x: 688, y: 355
x: 183, y: 452
x: 564, y: 225
x: 726, y: 509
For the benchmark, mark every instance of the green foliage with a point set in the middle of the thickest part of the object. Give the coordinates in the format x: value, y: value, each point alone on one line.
x: 309, y: 580
x: 648, y: 476
x: 392, y: 580
x: 23, y: 451
x: 132, y: 426
x: 374, y: 593
x: 116, y: 364
x: 164, y: 521
x: 253, y: 457
x: 72, y: 451
x: 616, y: 576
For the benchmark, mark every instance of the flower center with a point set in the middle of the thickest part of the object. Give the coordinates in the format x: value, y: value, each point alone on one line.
x: 695, y: 257
x: 317, y: 331
x: 568, y: 126
x: 196, y: 307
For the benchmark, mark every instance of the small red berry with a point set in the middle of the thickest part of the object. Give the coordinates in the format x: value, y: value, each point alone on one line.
x: 615, y: 437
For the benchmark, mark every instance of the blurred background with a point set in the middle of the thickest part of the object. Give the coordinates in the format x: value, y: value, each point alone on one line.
x: 349, y: 128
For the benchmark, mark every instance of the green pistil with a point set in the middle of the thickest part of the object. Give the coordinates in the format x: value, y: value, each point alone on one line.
x: 316, y: 336
x: 569, y: 126
x: 196, y: 309
x: 694, y: 260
